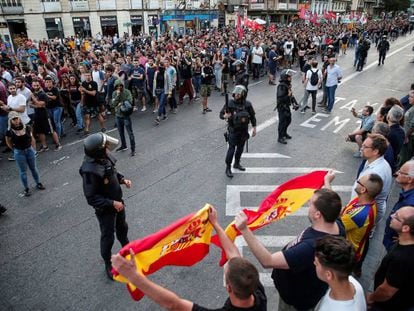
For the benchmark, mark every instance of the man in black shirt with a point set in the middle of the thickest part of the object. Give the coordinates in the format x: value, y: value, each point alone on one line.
x: 89, y: 89
x: 54, y: 108
x: 394, y: 285
x: 241, y: 277
x: 186, y: 76
x: 42, y: 123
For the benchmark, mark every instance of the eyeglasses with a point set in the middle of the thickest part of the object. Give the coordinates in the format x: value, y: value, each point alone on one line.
x: 361, y: 184
x: 366, y: 147
x: 403, y: 173
x: 394, y: 216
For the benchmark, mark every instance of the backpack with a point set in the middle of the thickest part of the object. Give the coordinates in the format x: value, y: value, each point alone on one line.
x: 314, y: 79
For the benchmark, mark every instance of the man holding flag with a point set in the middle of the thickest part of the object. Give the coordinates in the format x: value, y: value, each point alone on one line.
x: 241, y: 278
x: 294, y: 273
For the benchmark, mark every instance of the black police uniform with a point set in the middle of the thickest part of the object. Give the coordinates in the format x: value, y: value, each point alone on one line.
x: 242, y: 78
x: 238, y: 127
x: 284, y: 100
x: 101, y: 186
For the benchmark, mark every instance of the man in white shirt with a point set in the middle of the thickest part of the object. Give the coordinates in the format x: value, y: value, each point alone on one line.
x: 333, y: 77
x: 257, y: 59
x: 288, y: 49
x: 16, y: 102
x: 334, y: 261
x: 372, y: 150
x: 23, y: 90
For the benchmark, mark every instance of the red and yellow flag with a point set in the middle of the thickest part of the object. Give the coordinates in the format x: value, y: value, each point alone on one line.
x: 182, y: 243
x: 284, y: 200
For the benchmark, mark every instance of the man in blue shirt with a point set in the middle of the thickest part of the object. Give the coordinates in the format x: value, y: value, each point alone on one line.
x: 405, y: 178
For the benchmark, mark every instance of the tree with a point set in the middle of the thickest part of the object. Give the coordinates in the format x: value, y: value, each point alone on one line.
x: 396, y: 5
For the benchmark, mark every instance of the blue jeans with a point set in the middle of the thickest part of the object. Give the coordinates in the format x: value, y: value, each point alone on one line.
x: 3, y: 127
x: 161, y: 100
x: 122, y: 123
x: 79, y: 117
x: 330, y: 91
x: 24, y: 158
x: 56, y: 115
x: 197, y: 84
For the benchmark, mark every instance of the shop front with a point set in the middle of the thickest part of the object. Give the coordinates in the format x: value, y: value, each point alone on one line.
x: 109, y: 25
x: 54, y: 28
x: 187, y: 22
x: 82, y: 26
x: 137, y: 24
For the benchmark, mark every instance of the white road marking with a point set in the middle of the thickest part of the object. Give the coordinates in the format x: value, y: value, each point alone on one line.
x: 273, y: 120
x: 268, y: 241
x: 281, y: 170
x: 265, y: 156
x: 233, y: 196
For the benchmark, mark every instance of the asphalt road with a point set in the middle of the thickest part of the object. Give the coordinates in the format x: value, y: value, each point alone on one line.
x: 49, y: 245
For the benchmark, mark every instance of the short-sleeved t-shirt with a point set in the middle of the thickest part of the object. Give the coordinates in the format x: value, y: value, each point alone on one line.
x: 398, y: 269
x: 52, y: 103
x: 41, y: 113
x: 90, y: 100
x: 299, y: 285
x: 260, y: 303
x: 309, y: 85
x: 356, y: 303
x: 16, y: 102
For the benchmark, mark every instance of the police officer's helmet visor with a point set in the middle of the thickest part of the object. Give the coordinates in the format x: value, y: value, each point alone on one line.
x: 109, y: 142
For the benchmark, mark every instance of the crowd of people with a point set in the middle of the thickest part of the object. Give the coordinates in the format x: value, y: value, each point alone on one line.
x: 46, y: 82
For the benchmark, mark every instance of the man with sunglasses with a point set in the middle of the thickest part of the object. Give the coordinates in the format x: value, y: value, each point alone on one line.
x: 372, y: 150
x: 393, y: 284
x: 405, y: 179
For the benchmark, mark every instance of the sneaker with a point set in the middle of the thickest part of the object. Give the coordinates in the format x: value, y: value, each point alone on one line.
x: 164, y: 118
x: 58, y: 147
x: 43, y: 149
x: 133, y: 153
x: 27, y: 192
x: 40, y: 186
x: 144, y: 109
x: 357, y: 154
x: 36, y: 154
x: 11, y: 158
x: 302, y: 111
x: 157, y: 120
x: 135, y: 108
x: 108, y: 272
x: 85, y: 134
x: 204, y: 111
x: 154, y: 111
x: 78, y: 131
x: 103, y: 130
x: 174, y: 111
x: 208, y: 110
x: 121, y: 149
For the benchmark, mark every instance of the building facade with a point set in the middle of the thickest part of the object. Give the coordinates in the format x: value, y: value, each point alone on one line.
x: 38, y: 19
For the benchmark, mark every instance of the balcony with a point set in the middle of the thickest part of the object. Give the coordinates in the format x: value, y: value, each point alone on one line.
x: 51, y: 7
x: 79, y: 5
x: 11, y: 7
x: 106, y: 4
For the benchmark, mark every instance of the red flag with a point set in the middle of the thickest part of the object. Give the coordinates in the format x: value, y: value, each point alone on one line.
x: 183, y: 243
x: 284, y: 200
x: 239, y: 29
x: 314, y: 18
x: 302, y: 13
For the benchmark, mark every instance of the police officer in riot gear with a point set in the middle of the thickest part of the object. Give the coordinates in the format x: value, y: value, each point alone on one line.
x: 238, y: 113
x: 284, y: 101
x: 241, y: 76
x: 102, y: 189
x: 383, y: 48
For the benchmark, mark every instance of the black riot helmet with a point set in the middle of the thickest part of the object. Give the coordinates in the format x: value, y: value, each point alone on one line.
x: 239, y: 63
x: 240, y: 89
x: 286, y: 73
x: 96, y: 144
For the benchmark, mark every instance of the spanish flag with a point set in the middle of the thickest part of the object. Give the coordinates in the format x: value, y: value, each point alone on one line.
x: 182, y: 243
x: 284, y: 200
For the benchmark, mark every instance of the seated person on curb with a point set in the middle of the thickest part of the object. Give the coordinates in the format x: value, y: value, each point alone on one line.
x: 241, y: 277
x: 393, y: 282
x: 334, y: 261
x: 294, y: 273
x: 367, y: 122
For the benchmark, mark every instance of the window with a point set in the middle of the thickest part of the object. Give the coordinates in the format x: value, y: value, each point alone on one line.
x: 50, y: 0
x: 11, y: 3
